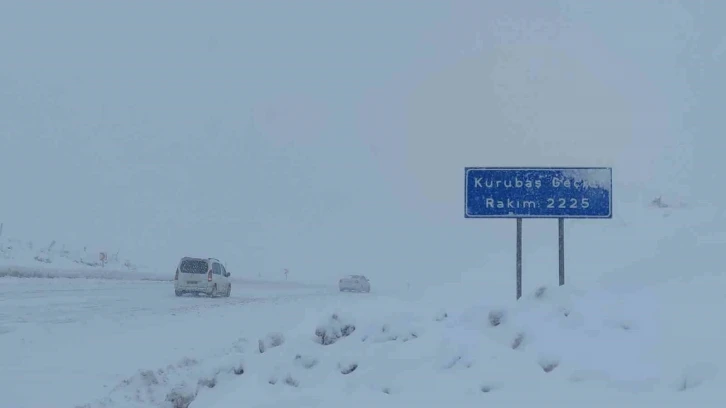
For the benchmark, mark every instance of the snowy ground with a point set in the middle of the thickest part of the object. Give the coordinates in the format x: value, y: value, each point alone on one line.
x: 25, y: 258
x: 119, y: 344
x: 647, y: 330
x: 68, y: 341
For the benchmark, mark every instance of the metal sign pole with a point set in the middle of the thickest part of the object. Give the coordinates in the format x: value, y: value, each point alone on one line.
x: 519, y: 258
x: 561, y: 223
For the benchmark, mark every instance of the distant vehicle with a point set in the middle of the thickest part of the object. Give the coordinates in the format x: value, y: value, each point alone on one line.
x: 200, y: 275
x: 354, y: 283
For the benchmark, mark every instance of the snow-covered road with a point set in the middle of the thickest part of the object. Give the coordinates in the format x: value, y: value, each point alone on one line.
x: 73, y: 340
x: 60, y: 301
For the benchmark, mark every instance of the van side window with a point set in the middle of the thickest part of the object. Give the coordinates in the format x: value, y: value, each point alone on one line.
x: 224, y: 270
x: 216, y: 269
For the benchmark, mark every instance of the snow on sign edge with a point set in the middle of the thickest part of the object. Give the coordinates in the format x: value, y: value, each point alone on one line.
x: 597, y: 178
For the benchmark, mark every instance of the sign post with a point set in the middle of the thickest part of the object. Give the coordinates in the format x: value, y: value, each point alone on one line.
x: 538, y: 192
x: 561, y: 228
x: 519, y: 258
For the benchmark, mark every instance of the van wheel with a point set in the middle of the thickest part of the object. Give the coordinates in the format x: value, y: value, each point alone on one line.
x: 229, y: 290
x: 178, y: 292
x: 214, y: 291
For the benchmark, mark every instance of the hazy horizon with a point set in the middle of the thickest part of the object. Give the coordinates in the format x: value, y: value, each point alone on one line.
x: 331, y: 138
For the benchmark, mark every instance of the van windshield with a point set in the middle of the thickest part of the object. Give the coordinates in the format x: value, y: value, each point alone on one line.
x: 198, y: 266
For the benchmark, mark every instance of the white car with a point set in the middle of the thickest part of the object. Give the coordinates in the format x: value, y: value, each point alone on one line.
x: 354, y: 283
x: 202, y: 275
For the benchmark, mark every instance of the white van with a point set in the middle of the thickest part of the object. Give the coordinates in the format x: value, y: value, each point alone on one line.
x: 200, y: 275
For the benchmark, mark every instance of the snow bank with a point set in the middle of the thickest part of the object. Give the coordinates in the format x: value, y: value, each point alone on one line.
x: 81, y: 273
x: 20, y: 258
x: 556, y: 345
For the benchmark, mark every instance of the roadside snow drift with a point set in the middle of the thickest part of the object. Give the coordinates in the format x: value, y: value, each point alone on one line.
x: 557, y: 345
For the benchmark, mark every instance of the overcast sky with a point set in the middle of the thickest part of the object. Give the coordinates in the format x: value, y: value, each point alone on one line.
x: 330, y: 137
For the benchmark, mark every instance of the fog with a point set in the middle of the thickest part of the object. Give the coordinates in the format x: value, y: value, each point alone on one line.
x: 331, y: 138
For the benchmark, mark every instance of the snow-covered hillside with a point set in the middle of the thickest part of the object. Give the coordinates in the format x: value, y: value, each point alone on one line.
x: 23, y: 259
x: 26, y: 258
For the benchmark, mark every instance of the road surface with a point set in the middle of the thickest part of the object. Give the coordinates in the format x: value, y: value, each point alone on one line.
x: 69, y: 341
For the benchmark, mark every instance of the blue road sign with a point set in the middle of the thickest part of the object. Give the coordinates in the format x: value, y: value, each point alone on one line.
x: 538, y: 192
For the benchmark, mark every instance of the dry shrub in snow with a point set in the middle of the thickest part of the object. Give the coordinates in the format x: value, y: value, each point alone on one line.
x: 306, y: 362
x: 187, y: 362
x: 518, y: 340
x: 496, y: 317
x: 291, y: 381
x: 43, y: 259
x: 275, y: 340
x: 208, y: 382
x: 335, y: 329
x: 181, y: 397
x: 386, y: 333
x: 658, y: 203
x: 451, y: 363
x: 272, y: 340
x: 346, y: 369
x: 548, y: 365
x: 695, y: 375
x: 148, y: 378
